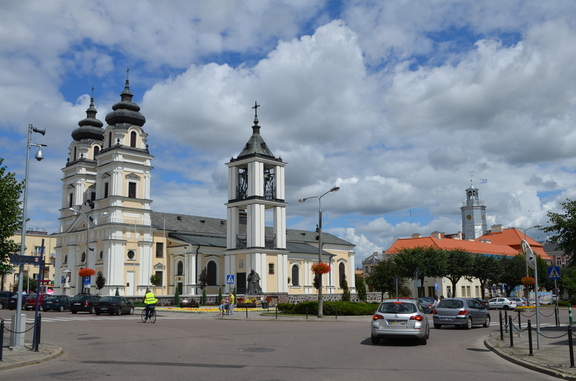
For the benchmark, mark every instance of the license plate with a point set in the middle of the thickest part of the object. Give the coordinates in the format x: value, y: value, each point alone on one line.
x: 401, y: 322
x: 76, y: 304
x: 104, y: 308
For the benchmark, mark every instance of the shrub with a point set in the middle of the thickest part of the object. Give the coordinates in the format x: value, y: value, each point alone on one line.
x: 330, y: 308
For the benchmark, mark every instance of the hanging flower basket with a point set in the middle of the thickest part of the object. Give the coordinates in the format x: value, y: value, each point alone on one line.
x: 86, y: 272
x: 527, y: 281
x: 321, y: 268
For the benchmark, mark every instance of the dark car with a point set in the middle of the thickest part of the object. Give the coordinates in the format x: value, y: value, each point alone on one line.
x: 56, y: 303
x: 463, y: 312
x: 30, y: 303
x: 427, y: 304
x: 5, y: 298
x: 114, y: 305
x: 13, y: 302
x: 83, y: 303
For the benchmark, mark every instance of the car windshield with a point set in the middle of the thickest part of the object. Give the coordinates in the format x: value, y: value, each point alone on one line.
x: 78, y: 298
x: 50, y: 298
x: 397, y: 308
x: 109, y: 299
x: 450, y: 304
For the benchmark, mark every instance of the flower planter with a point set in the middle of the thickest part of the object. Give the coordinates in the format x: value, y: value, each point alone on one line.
x: 246, y: 305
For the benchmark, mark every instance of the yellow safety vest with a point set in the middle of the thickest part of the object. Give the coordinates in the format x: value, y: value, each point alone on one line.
x: 150, y: 299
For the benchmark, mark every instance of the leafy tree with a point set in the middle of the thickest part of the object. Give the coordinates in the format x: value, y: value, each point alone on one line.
x: 512, y: 271
x: 382, y: 279
x: 485, y: 268
x: 28, y: 284
x: 430, y: 262
x: 118, y: 292
x: 204, y: 297
x: 459, y: 265
x: 177, y: 297
x: 567, y: 282
x: 100, y: 281
x: 5, y: 269
x: 563, y: 226
x: 155, y: 280
x: 345, y: 290
x: 10, y: 217
x: 361, y: 288
x: 203, y: 278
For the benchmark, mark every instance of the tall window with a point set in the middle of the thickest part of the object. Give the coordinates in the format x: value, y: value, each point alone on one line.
x: 70, y: 200
x: 295, y: 275
x: 159, y: 249
x: 159, y: 276
x: 96, y: 151
x: 132, y: 190
x: 271, y: 268
x: 133, y: 139
x: 211, y: 272
x: 341, y: 273
x: 180, y: 268
x: 109, y: 139
x: 105, y: 190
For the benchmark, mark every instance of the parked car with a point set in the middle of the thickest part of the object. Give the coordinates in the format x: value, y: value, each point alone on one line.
x: 520, y: 302
x: 5, y: 297
x: 501, y: 303
x: 114, y: 305
x: 83, y: 303
x: 13, y: 302
x: 56, y: 303
x: 189, y: 303
x: 463, y: 312
x: 30, y: 303
x: 482, y: 302
x: 426, y: 304
x: 400, y: 318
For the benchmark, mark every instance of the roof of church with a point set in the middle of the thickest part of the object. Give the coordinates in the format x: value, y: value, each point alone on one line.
x: 209, y: 231
x: 256, y: 145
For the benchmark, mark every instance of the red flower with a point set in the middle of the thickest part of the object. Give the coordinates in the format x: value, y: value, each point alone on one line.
x: 86, y: 272
x: 528, y: 281
x: 320, y: 268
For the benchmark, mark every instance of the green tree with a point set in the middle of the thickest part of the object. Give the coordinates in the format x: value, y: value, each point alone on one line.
x: 485, y: 268
x: 28, y: 284
x: 567, y: 282
x: 345, y: 290
x: 512, y: 271
x: 204, y: 297
x: 10, y: 217
x: 459, y: 264
x: 155, y: 280
x: 563, y: 227
x: 361, y: 288
x: 424, y: 261
x: 382, y: 279
x: 100, y: 281
x: 177, y: 297
x: 203, y: 278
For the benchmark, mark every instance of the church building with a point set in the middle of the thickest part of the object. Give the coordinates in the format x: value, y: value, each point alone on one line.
x: 107, y: 223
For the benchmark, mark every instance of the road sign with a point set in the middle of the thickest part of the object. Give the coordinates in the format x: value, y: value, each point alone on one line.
x: 553, y: 272
x: 229, y: 279
x: 87, y: 280
x: 16, y: 259
x: 528, y: 254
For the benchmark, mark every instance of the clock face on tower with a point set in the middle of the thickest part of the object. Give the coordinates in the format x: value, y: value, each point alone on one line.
x: 469, y: 217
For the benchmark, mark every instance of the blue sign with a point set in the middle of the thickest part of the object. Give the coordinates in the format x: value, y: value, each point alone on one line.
x: 63, y: 280
x: 229, y: 279
x: 87, y: 280
x: 553, y: 272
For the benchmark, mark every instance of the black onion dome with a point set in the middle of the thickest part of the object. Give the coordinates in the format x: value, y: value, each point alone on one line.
x: 90, y: 127
x: 126, y: 111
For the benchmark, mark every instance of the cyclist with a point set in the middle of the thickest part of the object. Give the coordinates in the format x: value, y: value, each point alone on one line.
x: 150, y: 301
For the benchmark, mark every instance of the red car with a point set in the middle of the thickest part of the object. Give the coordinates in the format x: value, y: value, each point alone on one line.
x: 30, y: 303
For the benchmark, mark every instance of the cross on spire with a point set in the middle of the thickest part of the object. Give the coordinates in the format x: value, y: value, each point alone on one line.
x: 127, y: 73
x: 256, y: 105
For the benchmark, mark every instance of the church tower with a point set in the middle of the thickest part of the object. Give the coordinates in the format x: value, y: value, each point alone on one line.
x: 105, y: 217
x: 473, y: 215
x: 256, y: 189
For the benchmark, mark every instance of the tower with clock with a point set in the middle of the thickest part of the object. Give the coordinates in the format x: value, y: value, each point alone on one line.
x: 473, y: 215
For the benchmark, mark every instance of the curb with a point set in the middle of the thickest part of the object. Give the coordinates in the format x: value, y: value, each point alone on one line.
x: 52, y: 354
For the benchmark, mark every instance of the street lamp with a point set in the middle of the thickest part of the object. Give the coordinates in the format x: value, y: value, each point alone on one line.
x: 320, y: 298
x: 527, y: 271
x: 18, y: 336
x: 528, y: 251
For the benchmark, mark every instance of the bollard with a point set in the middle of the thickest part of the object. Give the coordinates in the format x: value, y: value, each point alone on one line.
x: 501, y: 327
x: 511, y: 333
x: 571, y: 347
x: 306, y: 313
x: 506, y: 321
x: 531, y: 351
x: 519, y: 321
x: 1, y: 337
x: 570, y: 314
x: 556, y: 317
x: 276, y: 311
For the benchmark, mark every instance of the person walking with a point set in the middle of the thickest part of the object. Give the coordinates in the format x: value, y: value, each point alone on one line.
x: 231, y: 305
x: 150, y: 302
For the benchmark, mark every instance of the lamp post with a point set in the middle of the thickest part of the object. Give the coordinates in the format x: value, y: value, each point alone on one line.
x: 320, y: 297
x: 18, y: 337
x: 527, y: 271
x: 528, y: 251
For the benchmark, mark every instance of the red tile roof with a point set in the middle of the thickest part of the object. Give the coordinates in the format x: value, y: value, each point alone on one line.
x: 513, y: 238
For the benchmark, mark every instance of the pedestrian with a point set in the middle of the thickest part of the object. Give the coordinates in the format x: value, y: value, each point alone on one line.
x: 150, y: 301
x: 231, y: 305
x: 224, y: 306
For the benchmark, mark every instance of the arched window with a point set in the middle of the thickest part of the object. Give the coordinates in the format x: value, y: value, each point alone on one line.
x: 341, y: 273
x: 109, y: 139
x: 96, y: 151
x: 211, y: 273
x: 133, y: 139
x: 295, y: 275
x: 75, y: 152
x: 180, y: 270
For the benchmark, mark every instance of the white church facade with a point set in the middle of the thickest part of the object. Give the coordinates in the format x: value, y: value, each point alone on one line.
x: 107, y: 223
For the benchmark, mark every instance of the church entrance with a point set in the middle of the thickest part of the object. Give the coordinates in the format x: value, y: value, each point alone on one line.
x: 241, y: 283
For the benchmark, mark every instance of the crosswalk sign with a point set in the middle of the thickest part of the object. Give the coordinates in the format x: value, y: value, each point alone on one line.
x: 553, y: 272
x: 229, y: 279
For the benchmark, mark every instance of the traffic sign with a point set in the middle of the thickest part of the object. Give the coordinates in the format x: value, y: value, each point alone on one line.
x: 528, y: 254
x: 553, y: 272
x: 16, y: 259
x: 229, y: 279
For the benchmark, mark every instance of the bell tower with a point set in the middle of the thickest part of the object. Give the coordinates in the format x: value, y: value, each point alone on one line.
x: 256, y: 189
x: 473, y: 215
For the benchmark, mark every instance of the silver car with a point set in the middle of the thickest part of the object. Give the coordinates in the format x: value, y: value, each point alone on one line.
x: 464, y: 312
x: 400, y: 318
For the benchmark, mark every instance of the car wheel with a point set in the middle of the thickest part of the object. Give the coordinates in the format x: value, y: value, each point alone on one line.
x: 487, y: 321
x: 468, y: 323
x: 61, y: 308
x: 98, y: 312
x: 119, y: 311
x: 437, y: 326
x: 375, y: 340
x: 74, y: 312
x: 92, y: 310
x: 424, y: 340
x: 132, y: 311
x: 1, y: 305
x: 506, y: 307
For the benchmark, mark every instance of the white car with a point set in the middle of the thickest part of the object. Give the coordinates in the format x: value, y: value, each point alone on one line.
x: 501, y: 303
x: 520, y: 302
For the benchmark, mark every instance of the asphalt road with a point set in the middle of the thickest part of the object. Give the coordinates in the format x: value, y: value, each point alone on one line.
x: 188, y: 346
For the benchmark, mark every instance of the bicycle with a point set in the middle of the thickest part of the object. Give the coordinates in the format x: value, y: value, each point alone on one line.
x: 151, y: 315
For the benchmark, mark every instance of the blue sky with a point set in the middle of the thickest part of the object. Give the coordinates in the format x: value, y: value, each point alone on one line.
x: 402, y: 105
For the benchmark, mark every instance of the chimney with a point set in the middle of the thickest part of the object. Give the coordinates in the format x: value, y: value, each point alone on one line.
x: 497, y: 228
x: 416, y: 235
x: 437, y: 235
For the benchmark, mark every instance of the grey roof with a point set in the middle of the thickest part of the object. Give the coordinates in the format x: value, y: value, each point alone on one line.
x: 256, y: 145
x: 209, y: 231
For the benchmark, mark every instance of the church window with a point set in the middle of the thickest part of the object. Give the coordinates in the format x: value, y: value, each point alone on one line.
x: 83, y: 258
x: 295, y: 275
x: 180, y: 270
x: 131, y: 255
x: 159, y: 249
x: 269, y: 190
x: 105, y: 190
x: 271, y: 268
x: 71, y: 200
x: 74, y: 158
x: 132, y: 190
x: 109, y: 139
x: 342, y: 273
x: 211, y: 273
x: 242, y: 191
x: 65, y: 259
x: 101, y: 255
x: 133, y: 139
x: 159, y: 278
x: 96, y: 151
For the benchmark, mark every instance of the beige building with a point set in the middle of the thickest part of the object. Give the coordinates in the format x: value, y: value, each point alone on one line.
x: 106, y: 222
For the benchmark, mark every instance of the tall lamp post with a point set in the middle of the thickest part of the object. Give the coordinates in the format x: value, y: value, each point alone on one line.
x: 527, y: 271
x: 320, y: 297
x: 529, y: 253
x: 18, y: 336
